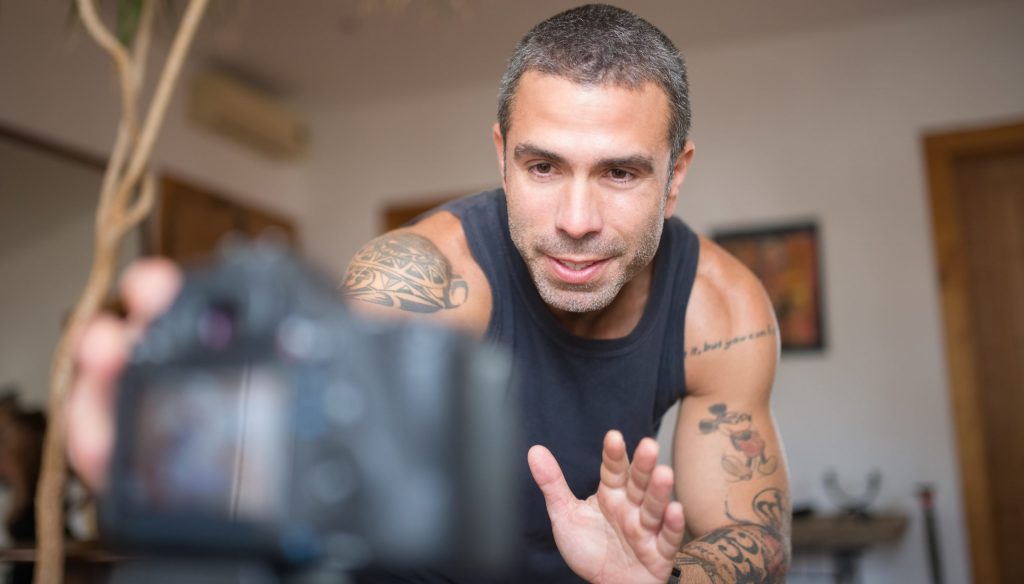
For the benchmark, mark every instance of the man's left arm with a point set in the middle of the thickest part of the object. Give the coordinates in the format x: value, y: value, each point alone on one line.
x: 728, y: 469
x: 731, y: 479
x: 729, y: 466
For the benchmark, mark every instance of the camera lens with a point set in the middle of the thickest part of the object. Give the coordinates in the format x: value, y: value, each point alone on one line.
x: 217, y: 325
x: 344, y: 403
x: 299, y: 338
x: 331, y: 481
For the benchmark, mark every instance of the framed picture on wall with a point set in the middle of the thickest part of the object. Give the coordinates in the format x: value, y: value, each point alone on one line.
x: 786, y: 260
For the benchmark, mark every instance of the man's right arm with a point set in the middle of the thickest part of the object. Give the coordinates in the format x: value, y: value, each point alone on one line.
x: 423, y: 272
x: 407, y: 271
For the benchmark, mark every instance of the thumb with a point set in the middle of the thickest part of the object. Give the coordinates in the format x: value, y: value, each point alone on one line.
x: 548, y: 476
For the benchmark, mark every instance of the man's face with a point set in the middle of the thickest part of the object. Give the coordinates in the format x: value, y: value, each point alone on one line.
x: 586, y: 172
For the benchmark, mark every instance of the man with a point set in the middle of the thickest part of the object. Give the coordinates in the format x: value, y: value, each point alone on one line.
x: 613, y: 309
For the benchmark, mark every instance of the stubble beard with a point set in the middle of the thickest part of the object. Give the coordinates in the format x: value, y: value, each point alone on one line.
x: 592, y: 296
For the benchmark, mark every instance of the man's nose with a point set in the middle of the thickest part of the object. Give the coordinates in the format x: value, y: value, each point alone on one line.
x: 579, y: 211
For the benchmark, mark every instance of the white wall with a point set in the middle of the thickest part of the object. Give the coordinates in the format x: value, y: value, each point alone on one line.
x: 59, y: 85
x: 825, y: 125
x: 396, y: 151
x: 829, y: 125
x: 51, y: 229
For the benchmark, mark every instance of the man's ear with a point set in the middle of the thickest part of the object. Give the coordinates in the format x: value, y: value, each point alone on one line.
x: 499, y: 147
x: 678, y: 176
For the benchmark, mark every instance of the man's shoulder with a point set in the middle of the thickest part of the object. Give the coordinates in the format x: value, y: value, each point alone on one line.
x: 448, y: 226
x: 484, y: 206
x: 424, y: 270
x: 724, y: 277
x: 444, y: 231
x: 729, y: 315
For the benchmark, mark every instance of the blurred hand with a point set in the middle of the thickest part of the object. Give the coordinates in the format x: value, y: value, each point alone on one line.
x: 630, y: 530
x: 148, y: 287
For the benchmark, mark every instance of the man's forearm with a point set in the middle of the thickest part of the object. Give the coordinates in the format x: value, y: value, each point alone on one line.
x: 735, y: 553
x: 746, y: 551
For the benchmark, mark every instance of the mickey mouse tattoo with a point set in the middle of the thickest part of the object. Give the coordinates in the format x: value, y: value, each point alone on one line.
x: 745, y: 440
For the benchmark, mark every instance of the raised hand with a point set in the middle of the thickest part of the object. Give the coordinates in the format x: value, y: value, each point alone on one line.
x: 629, y: 530
x: 147, y: 288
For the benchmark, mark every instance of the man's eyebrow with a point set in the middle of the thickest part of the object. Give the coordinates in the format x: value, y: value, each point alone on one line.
x: 528, y: 150
x: 644, y: 164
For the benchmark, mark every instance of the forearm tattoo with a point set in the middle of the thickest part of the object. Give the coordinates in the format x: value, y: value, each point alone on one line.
x: 406, y: 271
x: 756, y: 552
x: 766, y: 333
x: 749, y: 458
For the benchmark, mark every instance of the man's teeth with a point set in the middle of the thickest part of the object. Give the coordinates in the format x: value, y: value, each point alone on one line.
x: 575, y: 266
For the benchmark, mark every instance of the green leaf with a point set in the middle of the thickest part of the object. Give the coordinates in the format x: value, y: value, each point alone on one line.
x: 72, y: 18
x: 128, y: 14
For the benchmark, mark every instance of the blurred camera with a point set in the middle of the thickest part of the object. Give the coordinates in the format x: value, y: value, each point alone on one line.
x: 260, y: 417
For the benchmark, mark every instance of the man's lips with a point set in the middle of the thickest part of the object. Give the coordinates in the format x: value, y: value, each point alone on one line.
x: 576, y: 270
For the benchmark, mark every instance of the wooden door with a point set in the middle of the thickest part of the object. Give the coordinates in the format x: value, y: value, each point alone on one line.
x: 192, y: 221
x: 396, y: 215
x: 977, y: 182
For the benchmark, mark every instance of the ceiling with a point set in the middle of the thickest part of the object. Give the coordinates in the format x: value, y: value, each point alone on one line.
x: 346, y: 51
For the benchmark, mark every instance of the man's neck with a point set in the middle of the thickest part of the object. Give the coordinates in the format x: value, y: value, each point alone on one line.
x: 616, y: 320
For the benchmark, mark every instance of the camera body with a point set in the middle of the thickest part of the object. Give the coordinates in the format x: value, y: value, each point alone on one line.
x: 260, y: 417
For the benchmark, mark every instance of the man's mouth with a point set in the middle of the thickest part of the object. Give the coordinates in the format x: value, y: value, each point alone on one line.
x: 575, y: 265
x: 578, y: 271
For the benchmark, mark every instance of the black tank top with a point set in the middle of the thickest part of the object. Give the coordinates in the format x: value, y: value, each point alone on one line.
x: 574, y: 389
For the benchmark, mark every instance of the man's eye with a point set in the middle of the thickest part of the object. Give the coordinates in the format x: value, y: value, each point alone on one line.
x: 541, y: 168
x: 620, y: 175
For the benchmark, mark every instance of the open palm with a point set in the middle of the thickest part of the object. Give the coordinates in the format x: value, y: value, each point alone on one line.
x: 629, y: 530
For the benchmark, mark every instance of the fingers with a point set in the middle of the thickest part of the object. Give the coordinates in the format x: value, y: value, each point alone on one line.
x: 548, y: 476
x: 646, y: 486
x: 100, y: 357
x: 148, y: 287
x: 656, y: 498
x: 636, y: 500
x: 670, y: 538
x: 614, y: 462
x: 644, y: 460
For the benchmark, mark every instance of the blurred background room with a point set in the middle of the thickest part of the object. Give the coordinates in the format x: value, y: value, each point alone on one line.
x: 845, y: 137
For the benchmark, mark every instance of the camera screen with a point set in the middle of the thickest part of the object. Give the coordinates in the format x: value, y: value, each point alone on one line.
x: 213, y: 442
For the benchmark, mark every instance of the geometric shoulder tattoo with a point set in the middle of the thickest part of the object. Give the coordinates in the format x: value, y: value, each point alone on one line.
x: 748, y: 446
x: 406, y: 271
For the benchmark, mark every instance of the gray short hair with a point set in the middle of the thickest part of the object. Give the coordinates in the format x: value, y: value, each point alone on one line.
x: 596, y: 44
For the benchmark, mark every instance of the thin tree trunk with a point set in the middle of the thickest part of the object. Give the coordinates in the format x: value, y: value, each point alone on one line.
x: 117, y: 213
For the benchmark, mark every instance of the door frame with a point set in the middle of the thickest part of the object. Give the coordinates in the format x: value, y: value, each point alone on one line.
x: 942, y: 150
